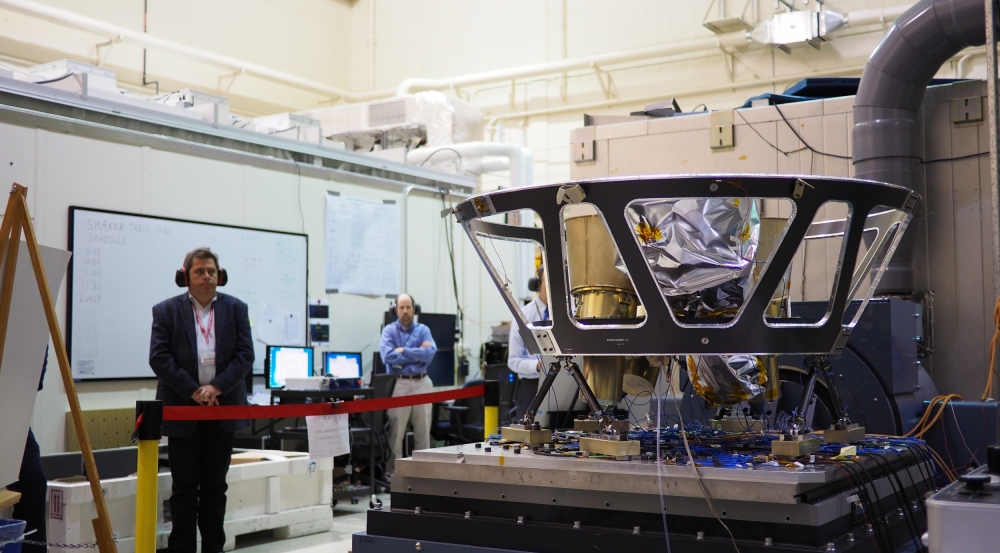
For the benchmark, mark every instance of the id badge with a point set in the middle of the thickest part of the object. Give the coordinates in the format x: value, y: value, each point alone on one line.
x: 208, y: 358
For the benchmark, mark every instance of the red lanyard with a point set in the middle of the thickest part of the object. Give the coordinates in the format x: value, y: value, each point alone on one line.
x: 206, y: 332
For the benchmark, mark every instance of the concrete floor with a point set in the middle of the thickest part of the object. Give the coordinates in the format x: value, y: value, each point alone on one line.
x: 347, y: 519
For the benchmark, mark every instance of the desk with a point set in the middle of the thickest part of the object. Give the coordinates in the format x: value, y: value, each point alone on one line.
x: 8, y: 498
x: 323, y: 396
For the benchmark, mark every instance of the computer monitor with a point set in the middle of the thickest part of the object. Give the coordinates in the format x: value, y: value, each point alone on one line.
x: 342, y: 365
x: 283, y: 362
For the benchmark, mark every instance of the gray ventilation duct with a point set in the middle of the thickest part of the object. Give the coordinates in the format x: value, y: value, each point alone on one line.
x: 887, y: 139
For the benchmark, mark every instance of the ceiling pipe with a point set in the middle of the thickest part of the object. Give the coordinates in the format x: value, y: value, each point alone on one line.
x: 887, y: 135
x: 725, y: 40
x: 960, y: 66
x: 487, y: 165
x: 77, y: 21
x: 521, y: 159
x: 410, y: 85
x: 861, y: 18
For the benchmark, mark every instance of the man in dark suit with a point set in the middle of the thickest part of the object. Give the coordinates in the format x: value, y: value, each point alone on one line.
x: 201, y: 351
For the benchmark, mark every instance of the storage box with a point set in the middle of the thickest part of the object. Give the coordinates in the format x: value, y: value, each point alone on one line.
x: 9, y: 531
x: 285, y: 491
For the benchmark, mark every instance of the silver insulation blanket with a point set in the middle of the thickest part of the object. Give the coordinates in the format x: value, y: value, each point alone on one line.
x: 726, y: 379
x: 693, y: 244
x: 701, y: 252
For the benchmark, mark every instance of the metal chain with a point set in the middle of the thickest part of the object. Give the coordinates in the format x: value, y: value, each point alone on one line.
x: 53, y: 545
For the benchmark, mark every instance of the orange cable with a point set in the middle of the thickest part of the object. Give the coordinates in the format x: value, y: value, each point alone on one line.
x: 988, y: 391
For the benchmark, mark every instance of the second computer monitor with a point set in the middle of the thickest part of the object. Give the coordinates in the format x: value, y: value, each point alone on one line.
x: 284, y: 362
x: 342, y: 365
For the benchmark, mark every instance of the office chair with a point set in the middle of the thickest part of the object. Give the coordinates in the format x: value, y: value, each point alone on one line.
x: 378, y: 367
x: 378, y: 453
x: 440, y: 422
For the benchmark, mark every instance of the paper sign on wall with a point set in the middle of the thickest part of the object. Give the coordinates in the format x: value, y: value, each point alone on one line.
x: 275, y: 327
x: 362, y: 246
x: 329, y: 436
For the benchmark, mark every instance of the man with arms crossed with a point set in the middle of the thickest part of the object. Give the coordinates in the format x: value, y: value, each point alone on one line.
x: 201, y: 351
x: 407, y: 349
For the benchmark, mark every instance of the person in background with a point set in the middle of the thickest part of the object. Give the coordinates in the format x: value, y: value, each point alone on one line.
x: 527, y: 366
x: 33, y: 487
x: 201, y: 352
x: 407, y: 349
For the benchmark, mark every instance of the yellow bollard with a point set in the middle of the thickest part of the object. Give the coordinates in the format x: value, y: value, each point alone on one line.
x: 149, y: 415
x: 491, y: 409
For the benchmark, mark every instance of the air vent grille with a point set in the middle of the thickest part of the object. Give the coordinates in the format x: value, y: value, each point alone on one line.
x: 387, y: 113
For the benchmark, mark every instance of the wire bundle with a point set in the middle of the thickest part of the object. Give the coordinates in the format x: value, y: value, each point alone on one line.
x: 928, y: 420
x: 988, y: 391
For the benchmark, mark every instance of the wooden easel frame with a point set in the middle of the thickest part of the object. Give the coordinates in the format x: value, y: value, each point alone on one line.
x: 15, y: 220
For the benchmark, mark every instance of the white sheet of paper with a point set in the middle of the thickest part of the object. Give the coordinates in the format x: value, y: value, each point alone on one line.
x: 271, y: 326
x: 27, y: 335
x: 329, y: 436
x: 260, y: 396
x: 293, y: 328
x: 362, y: 246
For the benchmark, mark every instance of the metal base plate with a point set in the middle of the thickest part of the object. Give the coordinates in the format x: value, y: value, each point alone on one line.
x: 737, y: 424
x: 852, y: 435
x: 362, y: 542
x: 558, y: 529
x: 614, y: 448
x: 587, y: 425
x: 530, y: 437
x: 795, y: 447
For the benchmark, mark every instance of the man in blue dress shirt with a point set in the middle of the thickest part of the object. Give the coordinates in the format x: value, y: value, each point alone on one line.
x: 407, y: 349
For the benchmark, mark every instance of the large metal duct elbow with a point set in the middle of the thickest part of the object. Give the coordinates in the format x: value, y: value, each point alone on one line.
x: 887, y: 142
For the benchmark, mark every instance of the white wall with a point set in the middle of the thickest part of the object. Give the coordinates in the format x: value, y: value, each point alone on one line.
x: 61, y: 170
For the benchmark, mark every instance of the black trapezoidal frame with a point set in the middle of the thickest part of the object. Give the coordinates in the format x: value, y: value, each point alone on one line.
x: 660, y: 333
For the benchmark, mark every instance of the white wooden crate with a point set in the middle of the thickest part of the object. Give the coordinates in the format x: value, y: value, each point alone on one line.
x: 286, y: 492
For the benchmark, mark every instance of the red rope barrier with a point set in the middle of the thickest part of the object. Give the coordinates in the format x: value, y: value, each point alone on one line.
x: 229, y: 412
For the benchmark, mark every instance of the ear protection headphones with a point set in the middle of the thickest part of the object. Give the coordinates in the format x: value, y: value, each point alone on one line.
x: 181, y: 277
x: 534, y: 283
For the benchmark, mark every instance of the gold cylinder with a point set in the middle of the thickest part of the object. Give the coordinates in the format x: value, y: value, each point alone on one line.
x: 605, y: 374
x: 591, y: 255
x: 771, y: 231
x: 604, y: 302
x: 601, y: 291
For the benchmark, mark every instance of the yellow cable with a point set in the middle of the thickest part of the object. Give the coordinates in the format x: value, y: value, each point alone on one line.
x: 923, y: 425
x: 944, y: 466
x: 988, y: 391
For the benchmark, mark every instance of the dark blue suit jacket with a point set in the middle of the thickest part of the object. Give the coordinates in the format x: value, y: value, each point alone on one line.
x: 173, y: 356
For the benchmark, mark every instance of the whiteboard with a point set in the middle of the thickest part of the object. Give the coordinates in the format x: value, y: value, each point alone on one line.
x: 361, y: 246
x: 123, y: 264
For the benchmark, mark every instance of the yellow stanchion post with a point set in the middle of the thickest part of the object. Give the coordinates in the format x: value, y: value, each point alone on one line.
x: 148, y: 416
x: 491, y: 408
